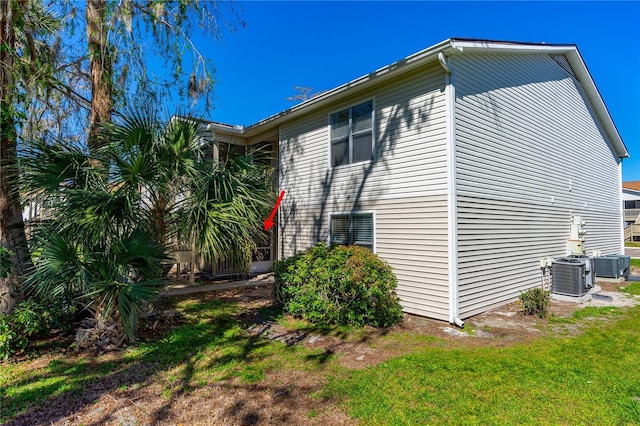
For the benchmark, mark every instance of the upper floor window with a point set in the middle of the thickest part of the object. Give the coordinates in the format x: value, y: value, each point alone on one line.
x: 352, y: 134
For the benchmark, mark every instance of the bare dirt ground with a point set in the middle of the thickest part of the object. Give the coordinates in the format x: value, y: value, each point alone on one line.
x: 286, y: 398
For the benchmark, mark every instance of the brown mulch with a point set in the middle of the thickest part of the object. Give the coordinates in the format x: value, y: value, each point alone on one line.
x: 283, y: 398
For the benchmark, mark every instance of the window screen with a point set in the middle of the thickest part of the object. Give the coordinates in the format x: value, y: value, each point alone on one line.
x: 362, y: 230
x: 349, y: 229
x: 340, y: 230
x: 362, y: 149
x: 340, y: 152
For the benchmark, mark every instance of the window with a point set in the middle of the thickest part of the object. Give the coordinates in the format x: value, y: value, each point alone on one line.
x: 355, y: 228
x: 227, y: 150
x: 352, y: 134
x: 222, y: 151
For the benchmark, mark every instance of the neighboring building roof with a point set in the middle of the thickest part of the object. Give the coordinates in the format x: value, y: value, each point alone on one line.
x: 447, y: 48
x: 630, y: 195
x: 633, y: 185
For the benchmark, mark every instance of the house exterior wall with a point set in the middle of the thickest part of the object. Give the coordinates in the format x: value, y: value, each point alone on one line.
x: 529, y: 154
x: 405, y: 186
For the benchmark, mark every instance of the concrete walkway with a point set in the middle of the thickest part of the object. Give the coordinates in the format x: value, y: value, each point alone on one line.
x: 632, y: 251
x: 184, y: 287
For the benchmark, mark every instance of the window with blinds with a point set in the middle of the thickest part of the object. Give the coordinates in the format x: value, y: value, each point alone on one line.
x: 340, y: 230
x: 355, y: 228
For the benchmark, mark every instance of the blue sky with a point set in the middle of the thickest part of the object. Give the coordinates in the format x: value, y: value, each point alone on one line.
x: 325, y: 44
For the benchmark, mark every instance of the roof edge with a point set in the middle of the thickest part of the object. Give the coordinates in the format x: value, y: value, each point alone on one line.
x: 423, y: 56
x: 450, y: 46
x: 589, y: 85
x: 484, y: 45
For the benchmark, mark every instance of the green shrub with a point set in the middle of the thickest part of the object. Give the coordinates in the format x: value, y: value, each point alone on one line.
x: 31, y: 319
x: 39, y: 317
x: 11, y: 342
x: 338, y: 285
x: 535, y: 301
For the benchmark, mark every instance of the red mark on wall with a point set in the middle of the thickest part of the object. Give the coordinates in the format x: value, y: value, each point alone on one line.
x: 268, y: 223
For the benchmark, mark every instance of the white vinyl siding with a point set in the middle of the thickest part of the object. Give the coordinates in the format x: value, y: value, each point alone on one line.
x: 530, y: 153
x: 405, y: 185
x: 410, y: 147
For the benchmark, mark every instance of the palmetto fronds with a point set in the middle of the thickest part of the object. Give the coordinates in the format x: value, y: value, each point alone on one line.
x: 112, y: 215
x: 223, y: 210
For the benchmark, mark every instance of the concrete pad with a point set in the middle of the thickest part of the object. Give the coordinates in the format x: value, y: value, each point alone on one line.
x: 632, y: 251
x: 610, y: 280
x: 577, y: 299
x: 184, y: 288
x: 608, y: 298
x: 618, y: 299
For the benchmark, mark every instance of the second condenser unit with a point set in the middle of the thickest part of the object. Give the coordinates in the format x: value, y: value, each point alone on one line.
x: 613, y: 266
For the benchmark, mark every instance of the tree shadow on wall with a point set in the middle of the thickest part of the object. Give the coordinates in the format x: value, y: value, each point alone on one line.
x: 403, y: 117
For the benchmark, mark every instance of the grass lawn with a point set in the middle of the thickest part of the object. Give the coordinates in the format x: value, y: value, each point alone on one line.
x: 589, y: 378
x: 632, y: 288
x: 632, y: 243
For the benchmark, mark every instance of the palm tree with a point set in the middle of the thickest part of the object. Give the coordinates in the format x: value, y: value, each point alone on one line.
x: 113, y: 213
x: 26, y: 68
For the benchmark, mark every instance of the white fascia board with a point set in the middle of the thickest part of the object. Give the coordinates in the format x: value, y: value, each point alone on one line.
x: 225, y: 128
x: 226, y: 133
x: 487, y: 46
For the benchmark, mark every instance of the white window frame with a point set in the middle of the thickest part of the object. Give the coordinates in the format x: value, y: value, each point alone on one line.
x: 373, y: 134
x: 349, y: 213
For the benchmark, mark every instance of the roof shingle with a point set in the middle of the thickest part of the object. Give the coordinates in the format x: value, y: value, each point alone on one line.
x: 634, y: 185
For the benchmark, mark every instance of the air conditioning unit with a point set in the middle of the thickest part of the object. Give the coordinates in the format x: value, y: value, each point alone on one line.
x: 568, y: 276
x: 626, y: 264
x: 590, y: 268
x: 613, y: 266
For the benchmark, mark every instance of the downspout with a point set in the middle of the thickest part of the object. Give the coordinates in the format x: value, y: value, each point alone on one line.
x: 621, y: 204
x: 279, y: 230
x: 452, y: 199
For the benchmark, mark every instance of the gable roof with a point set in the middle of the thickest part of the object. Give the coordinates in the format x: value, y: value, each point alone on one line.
x: 633, y: 185
x: 447, y: 48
